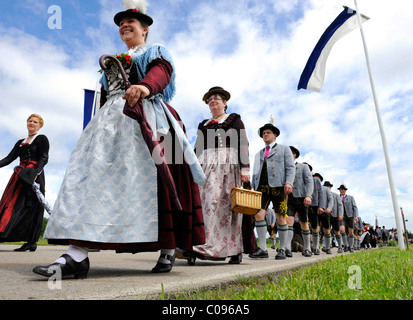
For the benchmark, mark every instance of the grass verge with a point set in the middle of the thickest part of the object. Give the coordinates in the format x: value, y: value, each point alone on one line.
x: 381, y: 274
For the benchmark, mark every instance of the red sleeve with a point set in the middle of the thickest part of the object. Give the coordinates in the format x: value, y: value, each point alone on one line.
x: 158, y: 76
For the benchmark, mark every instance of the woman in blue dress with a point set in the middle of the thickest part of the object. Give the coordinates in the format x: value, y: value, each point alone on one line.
x: 112, y: 196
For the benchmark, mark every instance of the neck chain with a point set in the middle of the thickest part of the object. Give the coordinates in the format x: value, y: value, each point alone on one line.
x: 216, y: 117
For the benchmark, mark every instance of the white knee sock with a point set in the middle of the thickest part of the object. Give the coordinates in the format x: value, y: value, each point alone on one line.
x: 169, y: 252
x: 289, y: 237
x: 77, y: 253
x: 327, y: 239
x: 283, y: 234
x: 316, y: 240
x: 306, y: 239
x: 339, y: 241
x: 261, y: 227
x: 344, y: 239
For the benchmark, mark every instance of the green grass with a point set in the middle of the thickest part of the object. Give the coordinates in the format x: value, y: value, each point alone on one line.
x: 385, y: 274
x: 41, y: 242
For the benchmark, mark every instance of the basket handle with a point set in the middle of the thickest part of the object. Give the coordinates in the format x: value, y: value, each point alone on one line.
x: 246, y: 185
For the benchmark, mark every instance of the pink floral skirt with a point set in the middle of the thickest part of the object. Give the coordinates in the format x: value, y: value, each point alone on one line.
x: 223, y: 228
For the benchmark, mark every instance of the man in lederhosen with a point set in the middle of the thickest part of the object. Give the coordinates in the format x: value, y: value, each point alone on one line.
x: 325, y: 217
x: 336, y: 216
x: 318, y: 205
x: 273, y: 175
x: 350, y: 216
x: 298, y: 202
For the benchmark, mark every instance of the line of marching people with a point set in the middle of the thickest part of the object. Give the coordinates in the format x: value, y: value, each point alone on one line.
x: 312, y: 210
x: 134, y: 184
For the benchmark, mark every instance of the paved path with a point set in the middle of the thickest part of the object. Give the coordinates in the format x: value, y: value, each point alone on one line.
x: 125, y: 276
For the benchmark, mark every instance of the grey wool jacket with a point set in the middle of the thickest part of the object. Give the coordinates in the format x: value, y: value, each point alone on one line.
x: 303, y: 182
x: 280, y: 167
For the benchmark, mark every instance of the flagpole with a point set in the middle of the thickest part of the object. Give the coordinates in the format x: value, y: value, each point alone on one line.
x: 383, y: 136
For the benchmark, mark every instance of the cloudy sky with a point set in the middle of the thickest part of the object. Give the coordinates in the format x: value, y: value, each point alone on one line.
x: 254, y: 49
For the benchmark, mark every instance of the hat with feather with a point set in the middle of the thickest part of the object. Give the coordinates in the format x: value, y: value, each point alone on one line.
x: 342, y: 186
x: 134, y: 9
x: 269, y: 126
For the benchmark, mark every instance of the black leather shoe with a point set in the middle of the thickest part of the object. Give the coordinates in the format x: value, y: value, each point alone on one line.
x: 27, y: 246
x: 191, y: 257
x: 307, y: 253
x: 236, y: 259
x: 280, y: 255
x: 71, y: 268
x: 259, y: 254
x: 164, y: 267
x: 288, y: 253
x: 187, y: 255
x: 191, y: 261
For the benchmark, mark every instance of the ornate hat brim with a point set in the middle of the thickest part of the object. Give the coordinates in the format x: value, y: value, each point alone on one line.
x: 133, y: 14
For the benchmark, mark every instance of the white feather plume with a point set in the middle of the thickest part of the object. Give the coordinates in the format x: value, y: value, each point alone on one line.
x: 140, y: 5
x: 272, y: 120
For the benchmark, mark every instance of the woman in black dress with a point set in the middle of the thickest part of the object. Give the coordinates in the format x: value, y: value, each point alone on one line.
x: 21, y: 213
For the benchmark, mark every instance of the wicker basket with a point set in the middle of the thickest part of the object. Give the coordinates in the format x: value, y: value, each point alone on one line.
x: 245, y: 201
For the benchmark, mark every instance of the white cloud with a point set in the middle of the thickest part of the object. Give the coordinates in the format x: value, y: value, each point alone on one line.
x: 35, y: 79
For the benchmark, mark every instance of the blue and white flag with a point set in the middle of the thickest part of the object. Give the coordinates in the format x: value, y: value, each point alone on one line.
x: 91, y: 101
x: 312, y: 77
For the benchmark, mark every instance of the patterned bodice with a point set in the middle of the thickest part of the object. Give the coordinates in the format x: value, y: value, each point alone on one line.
x: 115, y: 80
